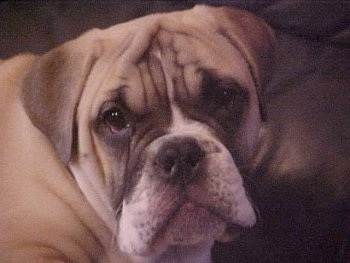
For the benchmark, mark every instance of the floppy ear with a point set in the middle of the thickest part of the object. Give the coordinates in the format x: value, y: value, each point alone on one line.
x: 254, y: 39
x: 51, y: 91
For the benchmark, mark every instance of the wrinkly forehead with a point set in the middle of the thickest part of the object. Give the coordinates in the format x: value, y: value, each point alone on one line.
x: 157, y: 62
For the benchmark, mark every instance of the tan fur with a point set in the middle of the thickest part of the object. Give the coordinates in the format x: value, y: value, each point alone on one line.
x: 45, y: 214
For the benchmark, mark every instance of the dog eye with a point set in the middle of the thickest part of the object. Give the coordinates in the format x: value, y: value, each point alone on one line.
x: 219, y: 93
x: 225, y: 95
x: 115, y: 119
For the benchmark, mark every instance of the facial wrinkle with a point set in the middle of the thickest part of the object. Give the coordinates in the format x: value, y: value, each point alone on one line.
x: 193, y: 79
x: 156, y: 71
x: 167, y: 59
x: 147, y: 84
x: 156, y: 78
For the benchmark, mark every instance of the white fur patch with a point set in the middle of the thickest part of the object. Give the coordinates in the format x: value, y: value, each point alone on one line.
x: 155, y: 216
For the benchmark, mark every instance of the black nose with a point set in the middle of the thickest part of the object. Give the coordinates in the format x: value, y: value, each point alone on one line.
x: 178, y: 158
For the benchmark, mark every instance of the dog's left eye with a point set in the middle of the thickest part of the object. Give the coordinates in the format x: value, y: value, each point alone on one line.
x: 115, y: 119
x: 219, y: 93
x: 224, y: 95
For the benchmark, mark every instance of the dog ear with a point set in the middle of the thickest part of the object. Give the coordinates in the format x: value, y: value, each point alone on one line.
x: 51, y: 91
x: 254, y: 39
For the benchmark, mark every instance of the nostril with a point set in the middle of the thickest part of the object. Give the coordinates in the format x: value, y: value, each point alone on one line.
x: 169, y: 165
x: 195, y: 157
x: 168, y: 159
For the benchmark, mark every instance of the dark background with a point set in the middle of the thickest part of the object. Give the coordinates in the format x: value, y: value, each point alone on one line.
x: 38, y: 26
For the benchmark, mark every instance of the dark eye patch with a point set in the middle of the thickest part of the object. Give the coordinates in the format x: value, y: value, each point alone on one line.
x: 219, y: 93
x: 220, y: 104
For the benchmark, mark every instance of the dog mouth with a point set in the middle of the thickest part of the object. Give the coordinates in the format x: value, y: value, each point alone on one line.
x: 189, y: 224
x: 192, y: 223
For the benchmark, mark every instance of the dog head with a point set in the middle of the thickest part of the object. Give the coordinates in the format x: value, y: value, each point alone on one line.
x: 155, y: 119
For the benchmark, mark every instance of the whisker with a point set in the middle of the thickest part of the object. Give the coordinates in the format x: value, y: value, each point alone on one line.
x: 118, y: 212
x: 119, y: 209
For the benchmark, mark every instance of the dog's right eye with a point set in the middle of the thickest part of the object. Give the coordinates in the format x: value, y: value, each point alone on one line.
x: 115, y: 119
x: 219, y: 93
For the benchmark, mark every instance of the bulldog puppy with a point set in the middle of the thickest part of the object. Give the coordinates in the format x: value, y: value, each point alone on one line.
x: 130, y: 143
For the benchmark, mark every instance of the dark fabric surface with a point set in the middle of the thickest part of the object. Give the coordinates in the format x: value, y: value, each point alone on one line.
x: 301, y: 186
x: 304, y: 211
x: 39, y: 26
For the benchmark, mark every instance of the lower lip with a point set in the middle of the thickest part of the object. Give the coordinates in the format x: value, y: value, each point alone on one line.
x: 182, y: 225
x: 191, y: 224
